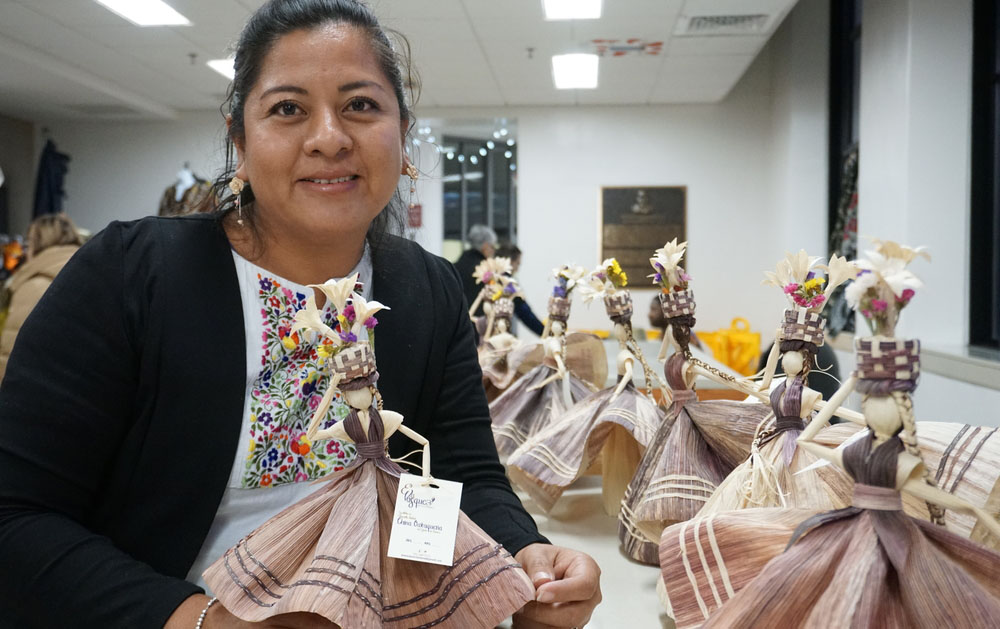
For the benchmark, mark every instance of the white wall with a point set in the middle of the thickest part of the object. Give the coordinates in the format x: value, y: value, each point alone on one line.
x: 17, y: 159
x: 719, y: 151
x: 800, y: 126
x: 913, y: 181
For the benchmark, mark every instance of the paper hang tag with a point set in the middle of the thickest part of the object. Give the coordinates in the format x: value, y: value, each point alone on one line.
x: 425, y: 520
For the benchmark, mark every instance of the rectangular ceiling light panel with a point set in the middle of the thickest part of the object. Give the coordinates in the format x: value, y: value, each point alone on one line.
x: 572, y: 9
x: 146, y: 12
x: 575, y: 72
x: 223, y: 67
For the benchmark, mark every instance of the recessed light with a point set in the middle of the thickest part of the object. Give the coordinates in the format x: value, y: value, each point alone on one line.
x: 490, y: 145
x: 510, y: 142
x: 225, y: 67
x: 508, y: 154
x: 575, y: 71
x: 146, y: 12
x: 572, y: 9
x: 474, y: 159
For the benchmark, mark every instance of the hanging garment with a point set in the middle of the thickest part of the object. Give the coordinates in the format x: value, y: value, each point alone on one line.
x: 49, y: 192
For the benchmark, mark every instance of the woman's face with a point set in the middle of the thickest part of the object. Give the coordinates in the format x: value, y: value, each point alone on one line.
x: 323, y: 142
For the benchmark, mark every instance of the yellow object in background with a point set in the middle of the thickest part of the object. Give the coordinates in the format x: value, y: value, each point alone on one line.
x: 737, y: 347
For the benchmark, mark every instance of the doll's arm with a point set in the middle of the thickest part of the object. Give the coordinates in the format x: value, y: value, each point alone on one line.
x: 475, y: 305
x: 668, y: 341
x: 822, y: 418
x: 934, y: 495
x: 772, y: 362
x: 425, y: 458
x: 833, y: 455
x: 626, y: 378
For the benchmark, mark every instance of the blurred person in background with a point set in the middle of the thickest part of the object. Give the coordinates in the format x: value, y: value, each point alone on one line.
x: 482, y: 245
x: 522, y: 310
x: 52, y: 241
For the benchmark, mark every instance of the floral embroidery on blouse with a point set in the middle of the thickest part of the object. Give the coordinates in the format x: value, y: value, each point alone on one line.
x: 284, y: 397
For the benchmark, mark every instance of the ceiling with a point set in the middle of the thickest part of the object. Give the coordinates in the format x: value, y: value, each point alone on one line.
x: 75, y: 59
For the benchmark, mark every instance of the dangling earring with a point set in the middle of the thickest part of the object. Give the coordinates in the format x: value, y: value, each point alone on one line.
x: 414, y: 174
x: 236, y: 187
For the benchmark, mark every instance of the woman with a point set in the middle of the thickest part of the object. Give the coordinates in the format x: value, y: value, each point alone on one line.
x: 52, y: 241
x: 139, y: 383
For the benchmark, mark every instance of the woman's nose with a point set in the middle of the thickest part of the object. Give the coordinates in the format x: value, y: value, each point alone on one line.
x: 327, y: 135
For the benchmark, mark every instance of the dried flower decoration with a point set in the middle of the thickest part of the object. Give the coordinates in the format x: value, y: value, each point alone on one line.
x: 884, y: 286
x: 797, y: 276
x: 354, y: 313
x: 604, y: 281
x: 668, y: 274
x: 567, y: 278
x: 504, y: 286
x: 491, y: 270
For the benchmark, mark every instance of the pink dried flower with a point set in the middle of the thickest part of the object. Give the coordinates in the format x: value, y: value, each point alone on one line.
x: 878, y: 305
x: 906, y: 296
x: 370, y: 323
x: 791, y: 288
x: 349, y: 312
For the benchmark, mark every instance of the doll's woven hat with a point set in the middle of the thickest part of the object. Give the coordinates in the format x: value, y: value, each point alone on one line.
x: 503, y: 308
x: 800, y: 324
x: 559, y: 309
x: 353, y: 362
x: 619, y: 305
x: 888, y: 359
x: 678, y: 303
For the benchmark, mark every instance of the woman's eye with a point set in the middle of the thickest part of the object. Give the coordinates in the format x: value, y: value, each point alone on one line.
x: 361, y: 104
x: 285, y: 108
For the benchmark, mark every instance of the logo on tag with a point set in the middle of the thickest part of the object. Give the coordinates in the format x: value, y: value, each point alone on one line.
x: 425, y: 520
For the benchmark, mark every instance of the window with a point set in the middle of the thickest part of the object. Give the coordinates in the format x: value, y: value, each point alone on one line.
x: 480, y: 187
x: 845, y: 91
x: 984, y: 237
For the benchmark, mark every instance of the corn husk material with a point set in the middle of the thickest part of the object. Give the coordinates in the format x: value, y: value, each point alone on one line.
x: 520, y: 412
x: 327, y: 555
x: 964, y: 461
x: 498, y: 372
x: 614, y: 431
x: 861, y: 567
x: 705, y: 561
x: 775, y: 474
x: 692, y: 453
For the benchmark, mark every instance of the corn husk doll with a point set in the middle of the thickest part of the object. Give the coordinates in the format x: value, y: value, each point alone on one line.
x: 773, y: 474
x: 569, y: 368
x: 490, y: 274
x: 612, y: 426
x: 698, y: 444
x: 327, y: 554
x: 864, y: 565
x: 498, y: 342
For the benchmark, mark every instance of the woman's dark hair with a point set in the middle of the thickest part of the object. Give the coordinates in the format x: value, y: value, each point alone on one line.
x: 272, y: 21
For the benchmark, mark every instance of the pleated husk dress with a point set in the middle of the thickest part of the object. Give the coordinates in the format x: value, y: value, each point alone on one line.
x: 695, y: 448
x: 866, y: 565
x: 520, y: 412
x: 494, y: 350
x: 327, y: 555
x: 615, y: 431
x: 773, y: 475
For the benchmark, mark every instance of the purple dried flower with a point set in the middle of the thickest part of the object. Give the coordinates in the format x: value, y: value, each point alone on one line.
x: 509, y: 289
x: 348, y: 337
x: 371, y: 322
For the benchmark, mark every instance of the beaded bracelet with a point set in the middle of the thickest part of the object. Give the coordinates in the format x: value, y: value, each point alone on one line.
x: 204, y: 612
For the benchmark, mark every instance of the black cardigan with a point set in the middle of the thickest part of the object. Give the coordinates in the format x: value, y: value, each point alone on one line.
x: 122, y: 405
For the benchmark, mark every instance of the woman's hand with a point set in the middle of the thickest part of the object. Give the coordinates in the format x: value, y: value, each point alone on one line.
x: 218, y: 617
x: 567, y: 587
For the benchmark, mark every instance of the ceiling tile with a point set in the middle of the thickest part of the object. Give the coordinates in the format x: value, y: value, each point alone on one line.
x: 75, y: 12
x: 694, y: 46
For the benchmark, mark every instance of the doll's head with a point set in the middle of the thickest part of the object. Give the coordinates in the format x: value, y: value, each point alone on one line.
x: 359, y: 398
x: 558, y: 328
